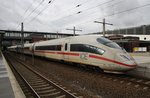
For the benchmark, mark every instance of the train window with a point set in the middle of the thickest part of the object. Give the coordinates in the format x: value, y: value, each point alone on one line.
x: 58, y: 47
x: 103, y: 40
x: 108, y: 43
x: 65, y: 46
x: 86, y: 48
x: 26, y: 48
x: 52, y: 47
x: 113, y: 45
x: 96, y: 50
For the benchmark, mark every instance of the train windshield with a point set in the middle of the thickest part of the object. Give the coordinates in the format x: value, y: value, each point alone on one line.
x: 108, y: 43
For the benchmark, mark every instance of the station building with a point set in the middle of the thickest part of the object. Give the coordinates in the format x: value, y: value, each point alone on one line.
x: 133, y: 39
x: 130, y: 43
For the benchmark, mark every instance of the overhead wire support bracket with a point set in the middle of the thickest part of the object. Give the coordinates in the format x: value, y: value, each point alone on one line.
x: 74, y: 30
x: 104, y: 23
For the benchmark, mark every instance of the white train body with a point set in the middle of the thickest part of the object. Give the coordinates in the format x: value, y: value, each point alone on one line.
x: 90, y: 50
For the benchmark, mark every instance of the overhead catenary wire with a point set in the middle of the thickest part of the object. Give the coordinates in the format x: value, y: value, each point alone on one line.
x: 26, y: 12
x: 95, y: 12
x: 98, y: 5
x: 49, y: 26
x: 109, y: 15
x: 29, y: 7
x: 127, y: 10
x: 33, y: 10
x: 135, y: 8
x: 79, y: 12
x: 115, y: 13
x: 46, y: 7
x: 103, y: 8
x: 75, y: 7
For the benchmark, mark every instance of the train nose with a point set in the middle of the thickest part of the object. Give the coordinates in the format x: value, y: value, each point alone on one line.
x: 126, y: 61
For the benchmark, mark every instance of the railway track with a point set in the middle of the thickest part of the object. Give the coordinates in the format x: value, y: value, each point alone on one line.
x: 35, y: 85
x: 123, y: 78
x: 129, y: 85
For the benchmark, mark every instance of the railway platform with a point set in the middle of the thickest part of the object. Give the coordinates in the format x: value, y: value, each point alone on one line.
x: 9, y: 87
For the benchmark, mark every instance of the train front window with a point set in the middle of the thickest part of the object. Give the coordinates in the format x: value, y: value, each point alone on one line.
x: 103, y: 40
x: 113, y: 45
x: 108, y: 43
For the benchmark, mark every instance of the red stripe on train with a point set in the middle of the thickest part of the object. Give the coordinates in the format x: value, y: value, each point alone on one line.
x: 68, y: 53
x: 90, y: 56
x: 46, y: 51
x: 64, y: 53
x: 109, y: 60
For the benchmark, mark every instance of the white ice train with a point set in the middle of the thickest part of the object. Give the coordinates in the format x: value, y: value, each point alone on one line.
x: 90, y: 50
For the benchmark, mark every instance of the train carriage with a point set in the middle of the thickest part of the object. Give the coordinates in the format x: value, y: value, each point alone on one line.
x: 92, y: 50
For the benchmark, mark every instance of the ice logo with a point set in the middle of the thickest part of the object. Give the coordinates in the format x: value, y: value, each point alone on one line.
x: 84, y: 56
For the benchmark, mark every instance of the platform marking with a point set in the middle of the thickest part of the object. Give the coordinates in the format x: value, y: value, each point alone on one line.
x: 3, y: 74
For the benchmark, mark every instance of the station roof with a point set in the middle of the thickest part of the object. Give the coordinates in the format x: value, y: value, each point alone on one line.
x: 126, y: 41
x: 1, y: 33
x: 31, y: 32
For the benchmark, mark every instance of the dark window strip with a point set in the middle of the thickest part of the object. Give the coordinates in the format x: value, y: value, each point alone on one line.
x: 86, y: 48
x: 51, y: 47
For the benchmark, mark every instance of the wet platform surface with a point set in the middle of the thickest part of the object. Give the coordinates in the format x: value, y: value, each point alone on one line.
x: 9, y: 87
x: 142, y: 60
x: 6, y: 90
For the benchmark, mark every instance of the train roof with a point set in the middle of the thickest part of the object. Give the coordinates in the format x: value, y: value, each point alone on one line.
x: 81, y: 38
x: 28, y: 44
x: 12, y: 47
x: 72, y: 38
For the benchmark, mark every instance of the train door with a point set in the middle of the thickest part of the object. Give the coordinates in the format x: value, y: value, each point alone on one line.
x: 32, y: 48
x: 66, y: 49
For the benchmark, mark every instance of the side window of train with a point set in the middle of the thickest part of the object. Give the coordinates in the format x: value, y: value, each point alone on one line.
x: 66, y: 47
x: 49, y: 47
x: 96, y: 50
x: 86, y: 48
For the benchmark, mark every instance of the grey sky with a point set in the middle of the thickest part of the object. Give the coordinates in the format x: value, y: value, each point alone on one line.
x: 61, y: 14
